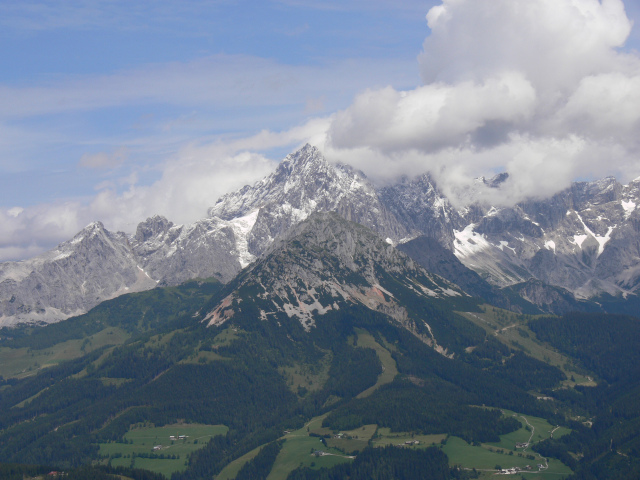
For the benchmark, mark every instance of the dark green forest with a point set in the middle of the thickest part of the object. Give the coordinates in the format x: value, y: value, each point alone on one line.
x: 607, y: 345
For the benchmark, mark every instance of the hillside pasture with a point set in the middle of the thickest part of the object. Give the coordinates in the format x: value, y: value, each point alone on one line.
x: 512, y: 330
x: 146, y: 446
x: 24, y: 362
x: 389, y: 368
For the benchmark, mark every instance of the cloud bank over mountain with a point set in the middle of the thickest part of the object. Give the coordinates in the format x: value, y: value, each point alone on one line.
x: 540, y: 89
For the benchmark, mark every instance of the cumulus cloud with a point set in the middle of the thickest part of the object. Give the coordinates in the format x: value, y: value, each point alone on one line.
x: 554, y: 43
x: 540, y: 88
x: 434, y: 116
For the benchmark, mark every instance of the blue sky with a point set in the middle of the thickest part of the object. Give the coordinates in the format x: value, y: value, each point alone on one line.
x: 114, y: 110
x: 86, y: 77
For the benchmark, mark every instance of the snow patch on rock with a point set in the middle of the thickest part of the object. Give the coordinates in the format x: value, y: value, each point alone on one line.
x: 504, y: 245
x: 550, y: 245
x: 467, y: 242
x: 241, y: 228
x: 628, y: 207
x: 579, y: 239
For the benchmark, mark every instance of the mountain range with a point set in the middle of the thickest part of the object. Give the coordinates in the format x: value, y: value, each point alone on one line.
x: 578, y: 250
x: 332, y: 335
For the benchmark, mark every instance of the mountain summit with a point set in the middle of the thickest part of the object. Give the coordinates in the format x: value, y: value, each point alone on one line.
x: 304, y: 183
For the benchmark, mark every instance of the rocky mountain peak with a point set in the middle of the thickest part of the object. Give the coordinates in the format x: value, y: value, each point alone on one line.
x: 598, y: 192
x: 307, y: 159
x: 151, y: 227
x: 303, y: 165
x: 421, y: 208
x: 91, y: 229
x: 497, y: 180
x: 85, y: 237
x: 95, y: 265
x: 305, y: 182
x: 583, y: 239
x: 301, y: 175
x: 328, y: 263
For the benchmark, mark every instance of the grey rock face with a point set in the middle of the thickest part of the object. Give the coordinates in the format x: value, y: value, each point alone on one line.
x: 94, y: 266
x: 324, y: 264
x: 152, y: 227
x: 584, y: 239
x: 422, y: 209
x: 435, y: 258
x: 205, y: 249
x: 551, y: 299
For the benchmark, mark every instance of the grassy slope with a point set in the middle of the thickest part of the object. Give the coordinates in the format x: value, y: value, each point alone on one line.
x: 230, y: 471
x: 389, y: 369
x: 386, y: 437
x: 297, y: 450
x: 487, y: 456
x: 511, y: 329
x: 481, y: 458
x: 23, y: 362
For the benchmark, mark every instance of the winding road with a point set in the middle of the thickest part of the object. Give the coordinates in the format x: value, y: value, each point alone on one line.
x: 533, y: 431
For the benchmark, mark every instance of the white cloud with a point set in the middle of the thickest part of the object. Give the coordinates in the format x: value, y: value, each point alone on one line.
x: 27, y: 231
x: 554, y: 43
x: 538, y: 88
x: 602, y: 107
x: 434, y: 116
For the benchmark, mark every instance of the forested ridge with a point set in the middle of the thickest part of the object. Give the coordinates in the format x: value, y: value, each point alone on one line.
x: 608, y: 345
x: 171, y: 368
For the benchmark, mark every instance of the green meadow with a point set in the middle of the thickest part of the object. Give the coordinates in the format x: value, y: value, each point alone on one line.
x: 512, y: 330
x: 505, y: 454
x: 24, y: 362
x: 389, y: 368
x: 152, y: 448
